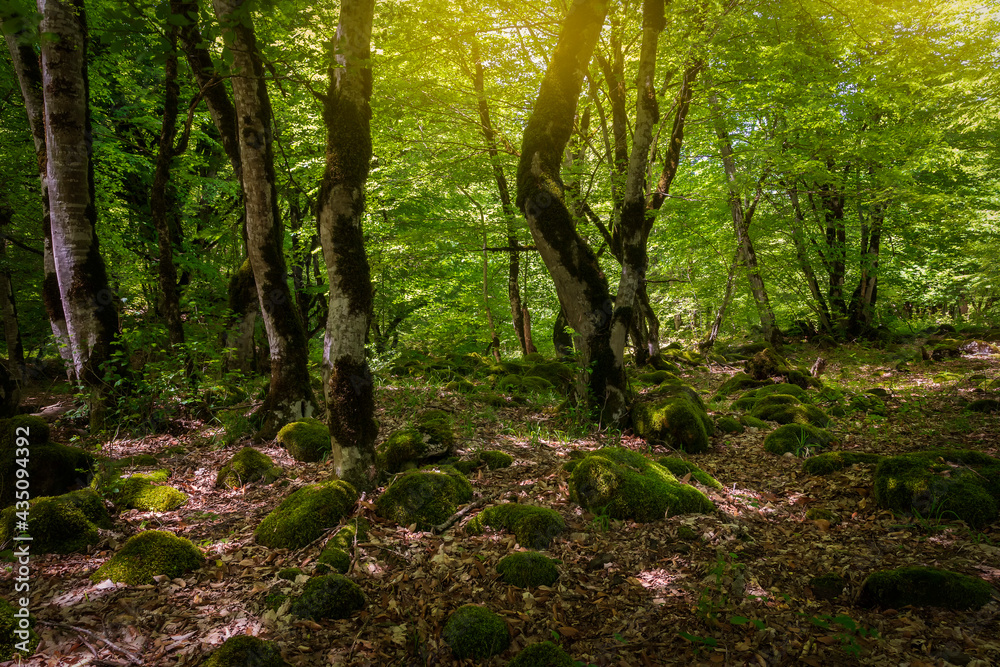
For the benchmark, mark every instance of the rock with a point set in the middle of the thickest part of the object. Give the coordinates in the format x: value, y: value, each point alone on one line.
x: 680, y: 467
x: 923, y: 587
x: 737, y: 383
x: 429, y: 440
x: 534, y: 527
x: 987, y: 405
x: 305, y: 514
x: 307, y: 440
x: 828, y: 462
x: 9, y: 639
x: 528, y: 569
x: 143, y: 491
x: 289, y: 573
x: 245, y: 467
x: 61, y: 524
x: 727, y: 424
x: 245, y: 651
x: 494, y: 458
x: 544, y: 654
x: 675, y: 415
x: 52, y: 468
x: 626, y: 485
x: 333, y: 558
x: 425, y: 497
x: 330, y: 596
x: 476, y: 632
x: 778, y: 408
x: 148, y: 554
x: 796, y: 439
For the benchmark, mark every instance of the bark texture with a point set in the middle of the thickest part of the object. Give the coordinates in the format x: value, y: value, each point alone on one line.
x: 8, y: 304
x: 347, y: 378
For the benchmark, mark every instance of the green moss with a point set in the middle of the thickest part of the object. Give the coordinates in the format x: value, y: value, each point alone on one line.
x: 657, y: 377
x: 476, y: 632
x: 533, y: 526
x: 753, y: 422
x: 468, y: 467
x: 923, y: 587
x: 141, y: 492
x: 14, y: 637
x: 544, y: 654
x: 403, y: 449
x: 494, y: 458
x: 776, y: 409
x: 528, y: 569
x: 425, y: 497
x: 139, y: 461
x: 460, y: 387
x: 797, y: 439
x: 555, y: 373
x: 305, y: 514
x: 247, y: 466
x: 307, y: 440
x: 687, y: 533
x: 868, y: 404
x: 984, y: 405
x: 785, y: 389
x: 148, y: 554
x: 827, y: 586
x: 924, y: 482
x: 329, y: 596
x: 335, y: 558
x: 245, y: 651
x: 728, y: 425
x: 289, y: 573
x: 355, y: 530
x: 626, y: 485
x: 767, y: 364
x: 675, y: 417
x: 438, y: 426
x: 517, y: 384
x: 569, y: 465
x: 737, y: 383
x: 678, y: 467
x: 62, y: 524
x: 828, y: 462
x: 53, y: 469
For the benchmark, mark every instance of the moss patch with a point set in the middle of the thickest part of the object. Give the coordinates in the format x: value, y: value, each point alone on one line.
x: 738, y: 383
x: 329, y: 596
x: 827, y: 586
x: 148, y: 554
x: 333, y: 558
x: 923, y: 587
x: 494, y: 458
x: 52, y: 468
x: 678, y: 467
x: 797, y: 439
x: 984, y: 405
x: 528, y: 569
x: 753, y: 422
x: 728, y: 425
x: 247, y: 466
x: 476, y: 632
x: 61, y: 525
x: 544, y: 654
x: 828, y: 462
x: 424, y: 497
x: 534, y: 527
x: 438, y: 426
x: 626, y: 485
x: 11, y: 633
x: 143, y: 491
x: 781, y: 408
x: 676, y: 416
x: 305, y: 514
x: 244, y: 651
x: 289, y: 573
x: 307, y: 440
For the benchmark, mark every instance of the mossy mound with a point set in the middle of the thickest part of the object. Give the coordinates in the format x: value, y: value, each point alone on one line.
x: 438, y: 426
x: 307, y: 440
x: 797, y: 439
x: 678, y: 467
x: 356, y: 530
x: 676, y: 415
x: 923, y: 587
x: 460, y: 387
x: 329, y: 596
x: 737, y: 383
x: 143, y: 491
x: 533, y: 526
x: 769, y: 364
x: 289, y: 573
x: 333, y: 558
x: 751, y: 400
x: 60, y: 525
x: 827, y: 586
x: 528, y: 569
x: 494, y: 459
x: 943, y: 484
x: 424, y: 497
x: 245, y: 467
x: 686, y: 357
x: 305, y: 514
x: 14, y: 638
x: 52, y: 468
x: 657, y: 377
x: 476, y: 632
x: 544, y: 654
x: 785, y: 389
x: 405, y: 449
x: 866, y: 403
x: 728, y: 425
x: 988, y: 405
x: 946, y: 349
x: 828, y: 462
x: 626, y: 485
x: 753, y: 422
x: 147, y: 554
x: 556, y: 373
x: 776, y: 409
x: 245, y: 651
x: 518, y: 384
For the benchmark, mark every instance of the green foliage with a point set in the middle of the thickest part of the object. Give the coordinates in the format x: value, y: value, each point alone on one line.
x: 534, y: 527
x: 330, y: 596
x: 305, y: 514
x: 799, y: 439
x: 528, y: 569
x: 475, y: 632
x: 494, y: 458
x: 243, y: 651
x: 147, y: 554
x: 924, y: 587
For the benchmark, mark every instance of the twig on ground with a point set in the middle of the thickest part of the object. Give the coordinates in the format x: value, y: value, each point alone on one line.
x: 133, y: 659
x: 458, y: 515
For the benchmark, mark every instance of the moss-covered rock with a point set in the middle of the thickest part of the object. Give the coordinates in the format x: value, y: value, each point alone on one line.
x: 16, y: 637
x: 657, y: 377
x: 494, y: 458
x: 330, y: 596
x: 946, y: 349
x: 469, y: 466
x: 751, y: 400
x: 766, y: 364
x: 753, y: 422
x: 148, y: 554
x: 828, y: 462
x: 52, y: 468
x: 524, y: 385
x: 333, y: 558
x: 777, y: 408
x: 460, y: 387
x: 785, y: 389
x: 728, y: 424
x: 144, y: 491
x: 424, y: 497
x: 305, y: 514
x: 245, y: 467
x: 405, y: 449
x: 533, y: 526
x: 289, y: 573
x: 61, y: 525
x: 245, y: 651
x: 941, y: 484
x: 827, y: 586
x: 556, y: 373
x: 544, y: 654
x: 438, y: 426
x: 676, y: 415
x: 626, y: 485
x: 737, y: 383
x: 797, y: 439
x: 923, y: 587
x: 984, y: 405
x: 528, y: 569
x: 476, y: 632
x: 678, y: 467
x: 307, y: 440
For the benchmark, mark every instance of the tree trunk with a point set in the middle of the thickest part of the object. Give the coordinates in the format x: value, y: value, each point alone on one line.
x: 803, y: 258
x: 347, y: 114
x: 510, y: 213
x: 494, y: 339
x: 8, y: 304
x: 836, y: 249
x: 88, y: 302
x: 720, y: 314
x: 580, y: 284
x: 562, y: 340
x: 29, y: 77
x: 865, y: 295
x: 289, y: 396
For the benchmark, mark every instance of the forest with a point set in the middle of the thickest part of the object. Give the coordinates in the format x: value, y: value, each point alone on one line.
x: 551, y: 332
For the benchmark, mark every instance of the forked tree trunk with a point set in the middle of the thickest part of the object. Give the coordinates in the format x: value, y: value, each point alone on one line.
x: 347, y: 378
x: 88, y: 302
x: 29, y: 77
x: 580, y: 284
x: 289, y: 395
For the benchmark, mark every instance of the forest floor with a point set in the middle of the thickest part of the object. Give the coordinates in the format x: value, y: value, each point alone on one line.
x: 628, y: 594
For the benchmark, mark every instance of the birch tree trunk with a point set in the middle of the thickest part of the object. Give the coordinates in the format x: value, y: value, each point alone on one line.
x: 347, y: 115
x: 289, y: 396
x: 580, y: 283
x: 88, y: 302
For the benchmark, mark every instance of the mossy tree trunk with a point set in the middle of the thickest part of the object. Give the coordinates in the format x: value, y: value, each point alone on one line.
x: 347, y: 378
x: 87, y: 299
x: 289, y: 395
x: 29, y: 76
x: 580, y: 283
